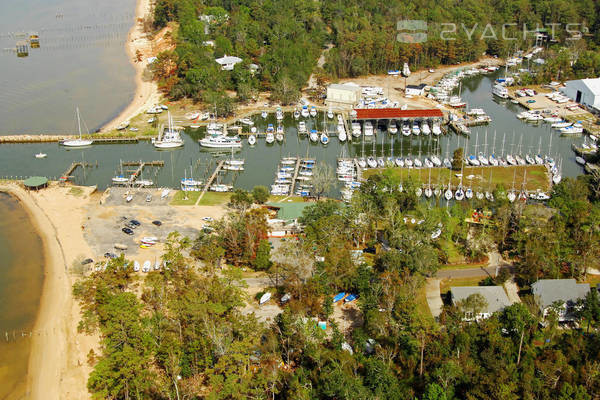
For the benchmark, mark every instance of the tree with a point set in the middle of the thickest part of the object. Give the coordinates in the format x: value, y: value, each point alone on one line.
x: 240, y: 199
x: 260, y: 194
x: 473, y: 305
x: 323, y: 179
x: 457, y: 159
x: 262, y: 262
x: 285, y: 91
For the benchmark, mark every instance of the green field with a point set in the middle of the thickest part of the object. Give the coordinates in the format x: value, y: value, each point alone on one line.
x: 214, y: 199
x: 180, y: 198
x: 537, y: 176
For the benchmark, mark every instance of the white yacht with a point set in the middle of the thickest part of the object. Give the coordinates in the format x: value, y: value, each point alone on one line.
x: 77, y: 142
x: 168, y: 138
x: 356, y: 129
x: 368, y: 128
x: 301, y: 127
x: 220, y: 141
x: 500, y: 91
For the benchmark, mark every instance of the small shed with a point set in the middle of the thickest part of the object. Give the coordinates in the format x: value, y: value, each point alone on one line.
x: 35, y: 182
x: 415, y: 90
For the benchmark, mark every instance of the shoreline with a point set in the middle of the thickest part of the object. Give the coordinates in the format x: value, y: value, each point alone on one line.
x: 41, y: 375
x: 146, y: 92
x: 57, y: 365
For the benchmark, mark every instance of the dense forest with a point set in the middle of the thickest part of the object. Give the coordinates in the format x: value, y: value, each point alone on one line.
x: 181, y: 332
x: 285, y: 39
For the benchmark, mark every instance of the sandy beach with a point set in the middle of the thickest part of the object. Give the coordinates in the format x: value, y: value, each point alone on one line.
x: 146, y: 93
x: 57, y: 368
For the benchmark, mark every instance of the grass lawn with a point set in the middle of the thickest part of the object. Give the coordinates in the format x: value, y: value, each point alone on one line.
x: 464, y: 265
x: 537, y: 176
x: 214, y: 199
x: 288, y: 199
x: 454, y: 257
x: 423, y: 307
x: 180, y: 198
x: 447, y: 283
x: 75, y: 191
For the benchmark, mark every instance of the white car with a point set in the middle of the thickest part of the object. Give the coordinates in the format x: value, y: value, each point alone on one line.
x: 207, y: 219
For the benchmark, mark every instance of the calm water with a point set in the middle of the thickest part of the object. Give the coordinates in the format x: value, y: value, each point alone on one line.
x: 81, y: 62
x: 21, y: 279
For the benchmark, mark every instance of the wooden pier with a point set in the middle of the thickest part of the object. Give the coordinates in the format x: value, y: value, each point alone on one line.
x: 211, y: 180
x: 295, y: 177
x: 68, y: 174
x: 140, y: 167
x: 59, y: 138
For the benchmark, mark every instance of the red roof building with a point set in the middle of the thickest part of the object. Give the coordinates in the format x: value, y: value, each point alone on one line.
x: 396, y: 113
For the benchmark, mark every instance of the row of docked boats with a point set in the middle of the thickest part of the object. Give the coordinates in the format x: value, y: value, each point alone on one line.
x: 348, y: 175
x: 286, y: 173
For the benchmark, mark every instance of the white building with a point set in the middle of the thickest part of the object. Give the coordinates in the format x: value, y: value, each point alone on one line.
x: 495, y: 299
x: 549, y: 292
x: 342, y: 96
x: 415, y: 90
x: 228, y: 62
x: 584, y: 91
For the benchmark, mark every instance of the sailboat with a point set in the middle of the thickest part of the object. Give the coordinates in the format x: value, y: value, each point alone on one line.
x: 77, y: 142
x: 448, y: 193
x: 512, y: 195
x: 539, y: 160
x: 170, y: 138
x: 120, y: 179
x: 428, y: 191
x: 488, y: 193
x: 460, y: 194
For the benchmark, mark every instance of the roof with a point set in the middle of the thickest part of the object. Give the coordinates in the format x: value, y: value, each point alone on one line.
x: 343, y: 86
x: 495, y: 296
x: 593, y: 84
x: 388, y: 113
x: 35, y: 181
x: 290, y: 210
x: 547, y: 291
x: 228, y: 60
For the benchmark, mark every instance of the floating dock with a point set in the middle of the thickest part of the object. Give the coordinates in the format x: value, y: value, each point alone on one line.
x: 59, y: 138
x: 68, y: 174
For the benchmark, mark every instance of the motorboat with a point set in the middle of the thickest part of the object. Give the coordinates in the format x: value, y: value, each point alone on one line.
x: 393, y: 129
x: 169, y: 137
x: 580, y: 160
x: 270, y: 137
x: 356, y: 131
x: 436, y: 130
x: 324, y: 138
x: 416, y: 130
x: 313, y: 111
x: 279, y: 114
x: 425, y: 128
x: 120, y: 179
x: 314, y: 136
x: 296, y: 114
x: 252, y: 140
x: 41, y: 155
x: 220, y: 141
x: 500, y: 91
x: 405, y: 129
x: 573, y: 129
x: 342, y: 133
x: 301, y: 127
x: 329, y: 114
x: 560, y: 125
x: 264, y: 114
x: 247, y: 121
x: 77, y: 142
x: 304, y: 112
x: 368, y: 128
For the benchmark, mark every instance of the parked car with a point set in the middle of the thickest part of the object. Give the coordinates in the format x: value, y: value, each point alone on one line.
x: 128, y: 231
x: 130, y: 226
x: 135, y: 222
x: 157, y: 223
x: 207, y: 219
x: 110, y: 255
x: 87, y: 261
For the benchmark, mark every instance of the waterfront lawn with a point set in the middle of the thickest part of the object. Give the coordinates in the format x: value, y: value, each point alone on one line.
x: 537, y: 176
x: 180, y: 198
x: 451, y: 251
x: 446, y: 284
x: 214, y: 199
x: 288, y: 199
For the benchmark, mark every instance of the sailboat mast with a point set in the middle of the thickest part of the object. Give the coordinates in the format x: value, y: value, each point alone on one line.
x: 78, y: 123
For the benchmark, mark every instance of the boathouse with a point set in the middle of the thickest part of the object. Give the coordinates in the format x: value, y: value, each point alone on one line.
x: 343, y: 96
x: 584, y: 91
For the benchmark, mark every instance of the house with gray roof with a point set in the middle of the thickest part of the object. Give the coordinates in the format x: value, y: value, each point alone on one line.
x: 228, y: 62
x: 495, y: 299
x: 549, y: 292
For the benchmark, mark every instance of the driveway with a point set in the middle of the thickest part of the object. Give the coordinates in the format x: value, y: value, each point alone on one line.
x: 434, y: 300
